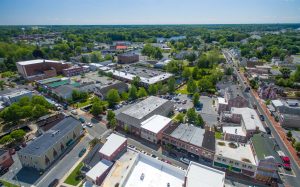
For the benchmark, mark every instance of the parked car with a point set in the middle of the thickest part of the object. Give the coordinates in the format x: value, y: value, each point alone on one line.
x: 74, y: 112
x: 81, y: 153
x: 268, y: 130
x: 173, y: 155
x: 286, y: 162
x: 81, y: 120
x: 89, y: 124
x: 185, y: 160
x: 54, y: 183
x: 262, y: 117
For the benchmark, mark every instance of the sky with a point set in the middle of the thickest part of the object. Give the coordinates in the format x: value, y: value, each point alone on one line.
x: 126, y: 12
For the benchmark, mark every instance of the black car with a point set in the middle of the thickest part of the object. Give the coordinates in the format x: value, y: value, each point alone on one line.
x: 262, y: 117
x: 54, y: 183
x: 268, y: 130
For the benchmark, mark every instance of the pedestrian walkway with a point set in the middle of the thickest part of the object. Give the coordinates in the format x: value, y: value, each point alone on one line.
x: 279, y: 130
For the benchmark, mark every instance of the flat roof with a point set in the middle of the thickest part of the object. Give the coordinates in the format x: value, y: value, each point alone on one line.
x: 151, y: 80
x: 204, y: 176
x: 156, y: 174
x: 155, y: 123
x: 145, y: 107
x: 222, y: 100
x: 99, y: 169
x: 277, y: 103
x: 54, y: 135
x: 28, y: 62
x: 17, y: 93
x: 189, y: 133
x: 238, y: 130
x: 250, y: 118
x: 113, y: 142
x: 240, y: 153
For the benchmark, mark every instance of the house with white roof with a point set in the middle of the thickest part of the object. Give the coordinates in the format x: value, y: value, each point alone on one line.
x: 98, y: 173
x: 153, y: 127
x: 114, y: 146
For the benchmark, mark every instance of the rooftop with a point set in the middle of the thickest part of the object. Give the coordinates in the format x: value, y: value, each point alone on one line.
x: 16, y: 93
x: 29, y: 62
x: 145, y: 107
x: 204, y: 176
x: 238, y: 130
x: 99, y: 169
x: 250, y: 118
x: 112, y: 143
x: 155, y: 123
x: 156, y: 173
x: 277, y: 103
x: 54, y: 135
x: 240, y: 152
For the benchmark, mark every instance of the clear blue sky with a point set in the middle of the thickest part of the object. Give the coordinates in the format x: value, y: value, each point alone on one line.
x: 43, y: 12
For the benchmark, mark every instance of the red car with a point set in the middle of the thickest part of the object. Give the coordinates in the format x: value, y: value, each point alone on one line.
x: 286, y: 162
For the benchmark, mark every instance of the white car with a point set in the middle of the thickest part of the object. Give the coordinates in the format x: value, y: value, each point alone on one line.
x: 74, y: 112
x: 185, y: 160
x: 89, y: 124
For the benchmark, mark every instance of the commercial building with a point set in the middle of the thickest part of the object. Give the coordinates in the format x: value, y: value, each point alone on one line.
x: 98, y: 173
x: 152, y: 128
x: 44, y: 150
x: 114, y: 146
x: 15, y: 96
x: 136, y: 169
x: 40, y: 69
x: 192, y: 141
x: 144, y: 80
x: 247, y: 118
x: 73, y: 71
x: 204, y: 176
x: 128, y: 58
x: 103, y: 90
x: 5, y: 159
x: 133, y: 117
x: 235, y: 157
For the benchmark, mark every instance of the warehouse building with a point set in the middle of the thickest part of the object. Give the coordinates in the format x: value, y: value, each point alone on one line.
x: 132, y: 118
x: 44, y: 150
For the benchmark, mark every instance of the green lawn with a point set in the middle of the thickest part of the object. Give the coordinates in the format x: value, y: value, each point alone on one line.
x: 71, y: 179
x: 182, y: 90
x: 83, y: 104
x: 7, y: 184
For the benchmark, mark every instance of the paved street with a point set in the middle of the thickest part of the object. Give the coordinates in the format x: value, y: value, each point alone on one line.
x: 65, y: 164
x: 290, y: 180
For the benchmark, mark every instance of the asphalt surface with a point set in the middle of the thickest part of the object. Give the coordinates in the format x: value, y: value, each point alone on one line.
x: 290, y: 180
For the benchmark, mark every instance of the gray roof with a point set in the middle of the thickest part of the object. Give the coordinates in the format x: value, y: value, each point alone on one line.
x: 189, y: 133
x: 145, y: 109
x: 40, y: 145
x: 64, y: 90
x: 2, y: 151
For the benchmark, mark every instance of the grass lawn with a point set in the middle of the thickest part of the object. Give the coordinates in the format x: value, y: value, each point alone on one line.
x: 82, y: 104
x: 7, y: 184
x: 182, y: 90
x: 218, y: 135
x: 71, y: 179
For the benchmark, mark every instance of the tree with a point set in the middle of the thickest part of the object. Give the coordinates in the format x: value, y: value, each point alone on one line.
x: 228, y: 71
x: 186, y: 73
x: 180, y: 118
x: 297, y: 146
x: 195, y: 73
x: 124, y: 96
x: 113, y: 123
x: 142, y: 92
x: 6, y: 139
x: 204, y: 84
x: 97, y: 108
x: 285, y: 72
x: 37, y: 53
x: 199, y: 121
x: 136, y: 80
x: 191, y: 86
x: 171, y: 85
x: 191, y: 115
x: 38, y: 111
x: 196, y: 97
x: 2, y: 84
x: 110, y: 115
x: 289, y: 134
x: 152, y: 89
x: 18, y: 135
x: 113, y: 97
x: 133, y: 93
x: 191, y: 57
x: 40, y: 100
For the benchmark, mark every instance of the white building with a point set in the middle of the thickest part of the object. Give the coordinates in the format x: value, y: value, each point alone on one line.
x: 235, y: 157
x: 113, y: 147
x: 15, y: 96
x: 153, y: 127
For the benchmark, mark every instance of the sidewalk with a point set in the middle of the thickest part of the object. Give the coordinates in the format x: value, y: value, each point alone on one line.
x: 281, y: 133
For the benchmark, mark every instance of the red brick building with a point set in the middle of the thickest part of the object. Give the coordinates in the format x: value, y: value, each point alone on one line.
x: 128, y: 58
x: 40, y: 69
x: 114, y: 146
x: 5, y: 159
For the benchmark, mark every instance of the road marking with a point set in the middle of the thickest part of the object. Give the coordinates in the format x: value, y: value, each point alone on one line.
x: 285, y: 174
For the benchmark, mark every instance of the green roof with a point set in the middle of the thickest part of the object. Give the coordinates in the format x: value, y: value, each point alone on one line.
x: 59, y: 83
x: 75, y: 84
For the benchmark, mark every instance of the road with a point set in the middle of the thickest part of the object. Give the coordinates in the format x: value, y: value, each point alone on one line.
x: 290, y: 180
x: 65, y: 164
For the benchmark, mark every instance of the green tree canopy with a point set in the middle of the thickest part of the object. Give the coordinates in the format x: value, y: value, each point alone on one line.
x: 113, y: 97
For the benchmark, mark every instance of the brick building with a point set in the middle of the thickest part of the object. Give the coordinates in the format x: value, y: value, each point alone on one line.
x: 114, y: 146
x: 5, y: 159
x: 40, y: 69
x: 128, y: 58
